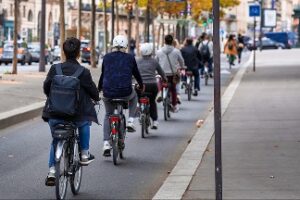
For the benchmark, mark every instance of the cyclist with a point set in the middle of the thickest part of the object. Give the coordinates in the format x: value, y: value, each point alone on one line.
x: 148, y: 67
x: 192, y: 58
x: 116, y: 82
x: 86, y: 113
x: 206, y: 52
x: 169, y: 58
x: 230, y: 49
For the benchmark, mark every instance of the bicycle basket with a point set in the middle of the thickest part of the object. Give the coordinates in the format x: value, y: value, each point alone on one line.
x: 63, y: 131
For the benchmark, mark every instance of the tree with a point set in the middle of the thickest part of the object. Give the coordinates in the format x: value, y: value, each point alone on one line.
x: 93, y: 21
x: 137, y: 28
x: 79, y: 19
x: 62, y: 28
x: 105, y: 26
x: 15, y: 59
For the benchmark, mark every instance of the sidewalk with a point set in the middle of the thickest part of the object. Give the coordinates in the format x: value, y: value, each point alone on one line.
x: 22, y: 96
x: 261, y: 141
x: 260, y: 137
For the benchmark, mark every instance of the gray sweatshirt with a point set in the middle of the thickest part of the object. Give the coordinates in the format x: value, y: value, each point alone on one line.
x: 148, y: 67
x: 175, y: 56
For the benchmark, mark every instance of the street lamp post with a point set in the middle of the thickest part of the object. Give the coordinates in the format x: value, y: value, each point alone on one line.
x: 217, y: 99
x: 42, y: 63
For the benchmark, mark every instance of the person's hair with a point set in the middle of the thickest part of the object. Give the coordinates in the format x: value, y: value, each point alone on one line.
x: 71, y: 47
x: 189, y: 41
x: 169, y: 39
x: 231, y: 37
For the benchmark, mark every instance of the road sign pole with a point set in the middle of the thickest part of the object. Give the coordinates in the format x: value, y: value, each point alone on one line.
x: 217, y: 99
x: 254, y: 44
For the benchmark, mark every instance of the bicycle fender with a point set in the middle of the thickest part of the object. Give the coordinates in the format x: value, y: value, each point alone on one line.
x: 59, y: 149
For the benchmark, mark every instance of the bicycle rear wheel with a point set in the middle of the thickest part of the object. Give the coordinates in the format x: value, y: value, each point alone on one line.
x: 189, y: 91
x: 61, y: 177
x: 76, y: 177
x: 143, y: 121
x: 115, y: 149
x: 166, y: 109
x: 148, y: 123
x: 206, y: 79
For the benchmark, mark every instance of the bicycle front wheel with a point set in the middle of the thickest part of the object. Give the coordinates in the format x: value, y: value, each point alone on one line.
x: 76, y: 177
x: 115, y: 149
x: 61, y: 178
x: 189, y: 90
x: 143, y: 121
x: 166, y: 109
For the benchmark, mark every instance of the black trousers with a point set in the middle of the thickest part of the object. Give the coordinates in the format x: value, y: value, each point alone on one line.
x: 151, y: 91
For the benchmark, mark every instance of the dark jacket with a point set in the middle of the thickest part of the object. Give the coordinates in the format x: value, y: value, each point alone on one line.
x: 116, y: 77
x: 88, y: 91
x: 191, y: 56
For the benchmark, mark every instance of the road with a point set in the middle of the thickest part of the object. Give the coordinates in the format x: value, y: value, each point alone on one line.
x: 24, y: 154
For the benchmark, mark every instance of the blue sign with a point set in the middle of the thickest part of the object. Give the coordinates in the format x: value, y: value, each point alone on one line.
x: 254, y: 10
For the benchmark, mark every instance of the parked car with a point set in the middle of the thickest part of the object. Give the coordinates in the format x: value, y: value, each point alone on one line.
x: 35, y: 50
x: 23, y: 55
x: 287, y: 38
x: 266, y: 44
x: 86, y: 52
x: 56, y: 52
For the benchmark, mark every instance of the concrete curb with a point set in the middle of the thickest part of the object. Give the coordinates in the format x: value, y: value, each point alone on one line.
x: 18, y: 115
x: 179, y: 179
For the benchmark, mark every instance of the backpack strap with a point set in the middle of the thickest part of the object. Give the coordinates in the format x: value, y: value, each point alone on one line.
x: 58, y: 69
x: 78, y: 72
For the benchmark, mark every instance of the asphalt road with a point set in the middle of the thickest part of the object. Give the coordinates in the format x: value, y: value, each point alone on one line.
x: 24, y: 152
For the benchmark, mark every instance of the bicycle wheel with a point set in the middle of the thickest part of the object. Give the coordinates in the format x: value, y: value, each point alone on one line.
x: 76, y: 177
x: 189, y: 91
x: 115, y: 148
x: 166, y: 108
x: 148, y: 123
x: 61, y: 178
x: 143, y: 121
x: 206, y: 79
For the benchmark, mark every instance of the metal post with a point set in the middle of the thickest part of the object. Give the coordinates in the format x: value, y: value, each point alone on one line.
x: 148, y: 23
x: 112, y: 21
x: 42, y: 67
x: 15, y: 59
x: 217, y: 99
x: 261, y: 23
x: 254, y: 44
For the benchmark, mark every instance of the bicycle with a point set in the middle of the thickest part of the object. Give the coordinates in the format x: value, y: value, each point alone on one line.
x: 206, y: 73
x: 166, y: 101
x: 67, y: 159
x: 189, y: 84
x: 117, y: 123
x: 144, y: 109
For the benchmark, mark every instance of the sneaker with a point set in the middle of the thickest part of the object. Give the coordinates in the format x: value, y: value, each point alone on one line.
x: 210, y: 75
x: 178, y: 99
x: 130, y: 127
x: 86, y: 159
x: 106, y: 149
x: 175, y: 109
x: 50, y: 179
x: 159, y: 99
x: 195, y: 93
x: 155, y: 124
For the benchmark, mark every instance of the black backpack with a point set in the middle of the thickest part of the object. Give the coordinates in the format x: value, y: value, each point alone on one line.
x: 63, y: 98
x: 204, y: 51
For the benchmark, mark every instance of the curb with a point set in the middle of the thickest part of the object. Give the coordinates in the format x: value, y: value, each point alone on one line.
x: 179, y: 179
x: 18, y: 115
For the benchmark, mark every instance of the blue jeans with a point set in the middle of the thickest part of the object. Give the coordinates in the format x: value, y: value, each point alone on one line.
x: 84, y: 137
x: 210, y: 67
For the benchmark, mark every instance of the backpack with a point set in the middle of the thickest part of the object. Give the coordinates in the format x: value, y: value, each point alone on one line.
x: 63, y: 98
x: 204, y: 51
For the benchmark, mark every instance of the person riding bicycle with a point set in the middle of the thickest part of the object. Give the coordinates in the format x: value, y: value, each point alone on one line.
x: 86, y: 114
x: 170, y: 58
x: 206, y: 52
x: 148, y: 67
x: 115, y: 81
x: 192, y: 58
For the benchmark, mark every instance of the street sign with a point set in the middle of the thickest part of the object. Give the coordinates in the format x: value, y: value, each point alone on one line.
x: 269, y: 18
x: 254, y: 10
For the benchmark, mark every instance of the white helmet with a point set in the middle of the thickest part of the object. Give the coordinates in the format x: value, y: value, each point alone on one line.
x: 146, y: 49
x: 120, y: 41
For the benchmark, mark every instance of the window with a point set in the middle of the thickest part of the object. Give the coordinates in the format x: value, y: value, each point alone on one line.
x: 30, y: 16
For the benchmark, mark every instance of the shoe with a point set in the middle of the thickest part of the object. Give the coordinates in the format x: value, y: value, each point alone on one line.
x: 195, y: 93
x: 155, y: 124
x: 210, y: 75
x: 86, y: 159
x: 159, y: 99
x: 50, y: 179
x: 106, y: 149
x: 130, y: 126
x: 175, y: 109
x: 178, y: 99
